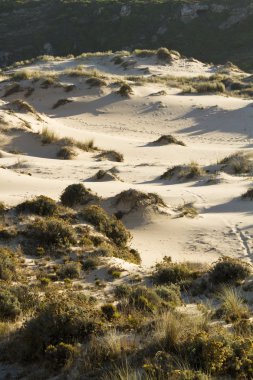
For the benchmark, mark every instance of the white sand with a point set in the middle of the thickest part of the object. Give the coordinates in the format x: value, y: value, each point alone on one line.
x: 211, y: 126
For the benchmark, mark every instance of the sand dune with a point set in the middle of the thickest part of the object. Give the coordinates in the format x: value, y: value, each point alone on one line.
x: 211, y: 126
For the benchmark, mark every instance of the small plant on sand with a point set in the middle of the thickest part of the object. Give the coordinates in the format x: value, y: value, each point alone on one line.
x: 111, y: 155
x: 40, y: 205
x: 66, y: 153
x: 163, y: 54
x: 233, y: 307
x: 168, y: 139
x: 125, y: 90
x: 48, y: 137
x: 188, y: 210
x: 61, y: 102
x: 78, y: 194
x: 229, y: 270
x: 61, y: 356
x: 237, y: 163
x: 248, y: 194
x: 12, y: 89
x: 51, y: 233
x: 96, y: 82
x: 188, y: 172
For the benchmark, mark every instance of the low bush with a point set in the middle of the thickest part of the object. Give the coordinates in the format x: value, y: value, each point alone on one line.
x: 41, y: 205
x: 51, y: 233
x: 69, y: 270
x: 61, y: 355
x: 60, y: 320
x: 48, y: 137
x: 113, y: 228
x: 111, y: 155
x: 187, y: 172
x: 164, y: 54
x: 77, y: 194
x: 109, y: 311
x: 170, y: 294
x: 183, y: 274
x: 8, y: 264
x: 229, y: 270
x: 125, y: 90
x: 10, y: 307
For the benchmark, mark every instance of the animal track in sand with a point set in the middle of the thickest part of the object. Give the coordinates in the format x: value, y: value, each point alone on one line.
x: 244, y: 240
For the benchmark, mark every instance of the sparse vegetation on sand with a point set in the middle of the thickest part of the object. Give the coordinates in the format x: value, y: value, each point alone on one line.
x: 66, y: 153
x: 61, y: 102
x: 237, y: 163
x: 111, y: 155
x: 168, y: 139
x: 248, y: 194
x: 41, y: 205
x: 48, y: 136
x: 96, y: 82
x: 163, y: 54
x: 133, y: 200
x: 184, y: 172
x: 78, y: 194
x: 229, y: 270
x: 125, y: 90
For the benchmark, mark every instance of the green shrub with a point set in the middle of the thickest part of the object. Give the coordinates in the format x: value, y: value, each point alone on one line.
x: 168, y: 139
x: 164, y: 54
x: 170, y: 294
x: 51, y: 233
x: 61, y: 355
x: 176, y: 273
x: 60, y: 320
x: 109, y: 311
x: 10, y: 307
x: 8, y: 264
x: 69, y: 270
x: 77, y: 194
x: 209, y: 353
x: 91, y: 263
x: 113, y: 228
x: 40, y: 205
x: 146, y: 299
x: 229, y: 270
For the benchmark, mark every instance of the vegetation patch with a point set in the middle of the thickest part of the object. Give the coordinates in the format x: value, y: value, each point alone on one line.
x: 184, y: 172
x: 78, y: 194
x: 41, y: 205
x: 168, y: 139
x: 61, y: 102
x: 248, y: 194
x: 111, y: 155
x: 66, y: 153
x: 229, y: 270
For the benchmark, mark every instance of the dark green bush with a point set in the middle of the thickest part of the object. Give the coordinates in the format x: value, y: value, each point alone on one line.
x: 61, y: 355
x: 62, y: 320
x: 10, y: 307
x: 77, y: 194
x: 164, y: 54
x: 8, y: 264
x: 109, y: 311
x: 40, y: 205
x: 229, y: 270
x: 248, y: 194
x: 176, y: 273
x: 51, y: 233
x: 170, y: 294
x: 110, y: 226
x: 69, y: 270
